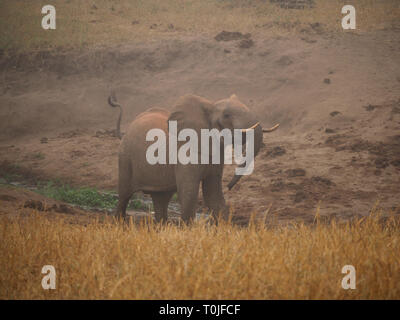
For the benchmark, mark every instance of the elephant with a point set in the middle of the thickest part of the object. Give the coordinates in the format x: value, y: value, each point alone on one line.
x: 161, y: 181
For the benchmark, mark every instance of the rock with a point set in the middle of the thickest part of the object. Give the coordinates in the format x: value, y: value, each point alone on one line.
x: 277, y: 186
x: 298, y: 172
x: 369, y: 107
x: 294, y: 4
x: 381, y: 163
x: 334, y: 113
x: 325, y: 181
x: 276, y: 152
x: 34, y: 204
x: 246, y: 43
x: 229, y: 36
x: 299, y: 196
x: 317, y: 27
x: 308, y: 40
x: 284, y: 61
x: 395, y: 163
x: 63, y: 208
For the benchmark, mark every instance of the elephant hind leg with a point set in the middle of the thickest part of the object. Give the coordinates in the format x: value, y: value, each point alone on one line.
x: 160, y: 202
x: 125, y: 189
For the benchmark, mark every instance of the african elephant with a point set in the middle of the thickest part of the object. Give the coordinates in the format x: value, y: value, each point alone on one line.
x: 161, y: 181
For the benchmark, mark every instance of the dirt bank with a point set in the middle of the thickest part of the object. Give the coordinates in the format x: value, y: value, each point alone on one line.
x: 337, y: 99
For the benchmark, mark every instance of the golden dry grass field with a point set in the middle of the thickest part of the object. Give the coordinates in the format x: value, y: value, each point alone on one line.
x: 108, y: 260
x: 334, y: 92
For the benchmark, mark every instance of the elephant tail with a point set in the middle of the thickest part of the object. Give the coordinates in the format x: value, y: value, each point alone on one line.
x: 112, y: 101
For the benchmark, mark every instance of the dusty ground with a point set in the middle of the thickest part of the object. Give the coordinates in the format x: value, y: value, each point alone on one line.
x: 337, y: 98
x: 17, y: 201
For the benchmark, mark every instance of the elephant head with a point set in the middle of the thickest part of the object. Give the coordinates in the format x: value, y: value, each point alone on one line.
x: 234, y: 114
x: 198, y: 113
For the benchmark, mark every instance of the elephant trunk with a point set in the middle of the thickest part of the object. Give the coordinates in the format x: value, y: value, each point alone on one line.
x: 258, y: 143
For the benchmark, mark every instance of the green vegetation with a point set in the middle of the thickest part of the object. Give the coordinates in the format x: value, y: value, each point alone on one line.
x: 85, y: 197
x: 7, y: 177
x: 88, y: 197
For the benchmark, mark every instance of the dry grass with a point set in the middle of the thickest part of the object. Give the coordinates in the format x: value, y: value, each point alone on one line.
x: 108, y: 260
x: 104, y: 22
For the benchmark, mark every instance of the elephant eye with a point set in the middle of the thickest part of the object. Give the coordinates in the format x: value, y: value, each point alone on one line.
x: 226, y: 115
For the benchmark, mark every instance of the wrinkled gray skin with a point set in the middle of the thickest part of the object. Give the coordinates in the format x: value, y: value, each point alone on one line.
x: 162, y: 181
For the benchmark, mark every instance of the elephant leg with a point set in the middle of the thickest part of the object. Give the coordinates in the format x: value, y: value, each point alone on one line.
x: 124, y: 187
x: 160, y: 202
x: 214, y: 197
x: 122, y: 204
x: 188, y: 184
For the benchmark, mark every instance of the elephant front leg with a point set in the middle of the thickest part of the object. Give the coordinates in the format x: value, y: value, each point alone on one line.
x: 121, y: 209
x: 160, y: 202
x: 214, y: 197
x: 188, y: 184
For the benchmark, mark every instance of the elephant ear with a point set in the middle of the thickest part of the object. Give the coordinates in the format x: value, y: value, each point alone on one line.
x: 192, y: 112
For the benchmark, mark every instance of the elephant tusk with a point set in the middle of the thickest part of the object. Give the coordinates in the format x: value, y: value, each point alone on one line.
x: 271, y: 129
x: 251, y: 128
